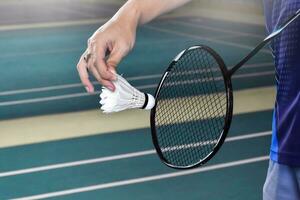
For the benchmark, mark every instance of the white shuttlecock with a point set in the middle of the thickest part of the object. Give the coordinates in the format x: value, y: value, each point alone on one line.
x: 124, y: 97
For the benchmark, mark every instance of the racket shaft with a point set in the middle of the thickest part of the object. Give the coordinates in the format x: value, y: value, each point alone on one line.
x: 264, y: 42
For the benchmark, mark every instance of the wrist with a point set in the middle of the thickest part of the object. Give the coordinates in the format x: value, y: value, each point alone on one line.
x: 129, y: 14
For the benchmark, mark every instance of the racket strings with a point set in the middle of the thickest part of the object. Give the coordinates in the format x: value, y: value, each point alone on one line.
x: 191, y: 109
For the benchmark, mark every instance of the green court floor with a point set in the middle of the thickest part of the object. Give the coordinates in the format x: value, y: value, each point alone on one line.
x: 44, y: 58
x: 39, y: 78
x: 236, y: 182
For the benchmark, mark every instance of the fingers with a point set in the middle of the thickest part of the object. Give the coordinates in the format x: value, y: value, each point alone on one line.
x: 105, y: 72
x: 84, y: 76
x: 107, y: 68
x: 97, y: 65
x: 102, y: 66
x: 108, y: 73
x: 94, y: 70
x: 108, y: 84
x: 115, y: 58
x: 97, y: 75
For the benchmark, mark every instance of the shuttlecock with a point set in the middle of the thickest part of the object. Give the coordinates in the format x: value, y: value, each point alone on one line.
x: 124, y: 97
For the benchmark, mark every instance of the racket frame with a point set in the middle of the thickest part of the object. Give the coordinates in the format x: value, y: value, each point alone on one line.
x: 227, y: 118
x: 227, y: 73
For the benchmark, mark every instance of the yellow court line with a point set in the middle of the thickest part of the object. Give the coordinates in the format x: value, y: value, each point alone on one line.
x: 77, y: 124
x: 100, y: 21
x: 193, y: 9
x: 42, y: 25
x: 52, y: 24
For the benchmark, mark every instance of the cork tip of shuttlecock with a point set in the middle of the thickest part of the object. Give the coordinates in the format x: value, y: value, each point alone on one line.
x: 151, y: 102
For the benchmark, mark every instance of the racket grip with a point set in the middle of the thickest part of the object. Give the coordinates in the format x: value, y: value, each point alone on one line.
x: 149, y: 102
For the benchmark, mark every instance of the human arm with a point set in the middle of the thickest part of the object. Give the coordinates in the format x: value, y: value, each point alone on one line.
x: 117, y: 37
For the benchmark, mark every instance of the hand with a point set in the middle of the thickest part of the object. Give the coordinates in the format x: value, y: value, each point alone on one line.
x: 117, y: 38
x: 105, y: 49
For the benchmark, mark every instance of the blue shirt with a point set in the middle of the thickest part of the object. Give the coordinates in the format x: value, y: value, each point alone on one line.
x: 285, y: 147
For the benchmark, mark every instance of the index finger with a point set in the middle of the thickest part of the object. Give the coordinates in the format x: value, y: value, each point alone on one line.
x: 84, y: 75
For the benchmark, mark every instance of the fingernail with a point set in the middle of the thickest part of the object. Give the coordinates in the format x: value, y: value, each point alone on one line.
x: 113, y: 71
x: 110, y: 87
x: 87, y: 89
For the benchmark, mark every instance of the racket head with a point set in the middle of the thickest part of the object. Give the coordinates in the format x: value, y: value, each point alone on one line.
x: 179, y: 120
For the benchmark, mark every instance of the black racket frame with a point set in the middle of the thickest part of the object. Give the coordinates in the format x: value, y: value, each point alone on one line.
x: 229, y: 110
x: 227, y: 74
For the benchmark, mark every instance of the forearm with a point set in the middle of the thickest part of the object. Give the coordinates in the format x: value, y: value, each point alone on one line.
x: 150, y: 9
x: 142, y: 11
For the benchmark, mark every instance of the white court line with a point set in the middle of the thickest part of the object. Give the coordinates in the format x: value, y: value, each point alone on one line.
x: 78, y: 49
x: 243, y: 46
x: 210, y: 142
x: 218, y: 29
x: 43, y: 99
x: 83, y: 94
x: 115, y: 157
x: 32, y: 53
x: 146, y: 179
x: 179, y: 22
x: 219, y: 78
x: 238, y: 76
x: 66, y: 86
x: 188, y: 146
x: 134, y: 78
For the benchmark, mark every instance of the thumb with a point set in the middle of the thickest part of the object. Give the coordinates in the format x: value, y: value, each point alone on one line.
x: 114, y: 59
